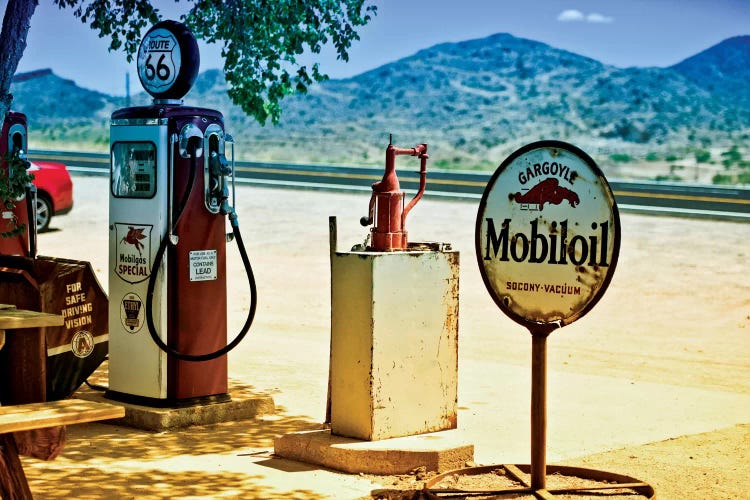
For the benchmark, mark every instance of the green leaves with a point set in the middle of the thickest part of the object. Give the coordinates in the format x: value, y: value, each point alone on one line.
x: 261, y: 39
x: 14, y: 179
x: 121, y: 20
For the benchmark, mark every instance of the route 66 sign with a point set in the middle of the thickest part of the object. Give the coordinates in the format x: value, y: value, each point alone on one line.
x: 168, y: 60
x: 547, y: 234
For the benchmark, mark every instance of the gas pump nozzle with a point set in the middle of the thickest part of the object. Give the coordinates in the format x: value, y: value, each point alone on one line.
x: 219, y: 168
x: 387, y: 201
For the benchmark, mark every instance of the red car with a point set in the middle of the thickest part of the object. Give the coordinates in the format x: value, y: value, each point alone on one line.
x: 54, y: 191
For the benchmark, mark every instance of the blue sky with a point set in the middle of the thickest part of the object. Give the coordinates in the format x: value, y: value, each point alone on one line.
x: 617, y: 32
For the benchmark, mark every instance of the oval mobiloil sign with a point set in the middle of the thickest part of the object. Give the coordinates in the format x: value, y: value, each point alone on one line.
x: 547, y: 234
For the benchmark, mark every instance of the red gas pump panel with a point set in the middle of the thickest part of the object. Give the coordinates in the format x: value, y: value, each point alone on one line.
x: 13, y: 141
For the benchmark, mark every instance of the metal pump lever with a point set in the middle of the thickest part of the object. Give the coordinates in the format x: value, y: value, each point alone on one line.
x: 386, y: 207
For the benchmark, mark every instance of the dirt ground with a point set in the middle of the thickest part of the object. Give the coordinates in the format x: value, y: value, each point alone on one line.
x: 653, y: 383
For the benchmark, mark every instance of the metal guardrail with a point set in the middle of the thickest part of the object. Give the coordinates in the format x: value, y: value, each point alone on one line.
x: 696, y: 200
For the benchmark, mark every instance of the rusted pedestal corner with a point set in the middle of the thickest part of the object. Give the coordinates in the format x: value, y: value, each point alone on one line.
x: 437, y: 452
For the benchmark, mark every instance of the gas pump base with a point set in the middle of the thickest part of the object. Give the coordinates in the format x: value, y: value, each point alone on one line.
x: 436, y: 452
x: 167, y: 403
x: 242, y: 403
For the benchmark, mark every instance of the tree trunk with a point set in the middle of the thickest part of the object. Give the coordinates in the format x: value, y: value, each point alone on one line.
x: 16, y: 25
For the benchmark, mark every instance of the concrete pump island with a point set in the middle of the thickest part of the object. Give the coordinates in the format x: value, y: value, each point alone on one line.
x: 268, y: 343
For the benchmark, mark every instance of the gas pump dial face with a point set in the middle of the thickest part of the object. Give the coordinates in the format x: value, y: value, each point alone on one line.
x: 168, y: 60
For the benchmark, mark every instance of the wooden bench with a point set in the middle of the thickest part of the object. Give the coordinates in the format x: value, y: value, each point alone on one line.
x: 24, y: 380
x: 13, y: 483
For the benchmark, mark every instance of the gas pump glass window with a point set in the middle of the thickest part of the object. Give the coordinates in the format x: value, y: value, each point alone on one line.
x: 133, y: 169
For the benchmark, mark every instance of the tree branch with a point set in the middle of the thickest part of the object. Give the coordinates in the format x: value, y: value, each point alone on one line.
x: 16, y: 23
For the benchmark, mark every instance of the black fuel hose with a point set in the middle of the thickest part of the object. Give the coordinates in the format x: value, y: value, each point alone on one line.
x: 155, y: 269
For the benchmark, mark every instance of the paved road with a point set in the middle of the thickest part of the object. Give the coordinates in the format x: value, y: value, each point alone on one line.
x: 718, y: 202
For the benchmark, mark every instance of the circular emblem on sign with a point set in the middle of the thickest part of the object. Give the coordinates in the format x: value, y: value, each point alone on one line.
x: 168, y: 60
x: 82, y: 344
x: 132, y: 312
x: 547, y: 234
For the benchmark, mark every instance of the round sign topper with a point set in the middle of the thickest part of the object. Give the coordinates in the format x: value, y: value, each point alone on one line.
x: 168, y: 60
x: 547, y: 234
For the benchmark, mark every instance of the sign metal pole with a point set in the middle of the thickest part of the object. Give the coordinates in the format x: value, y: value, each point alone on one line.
x: 547, y: 241
x: 538, y: 409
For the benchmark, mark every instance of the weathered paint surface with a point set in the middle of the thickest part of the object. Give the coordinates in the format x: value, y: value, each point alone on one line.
x: 394, y: 343
x: 547, y: 234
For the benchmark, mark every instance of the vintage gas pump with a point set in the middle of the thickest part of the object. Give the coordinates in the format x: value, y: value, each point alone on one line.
x: 169, y: 202
x: 21, y: 218
x: 394, y: 322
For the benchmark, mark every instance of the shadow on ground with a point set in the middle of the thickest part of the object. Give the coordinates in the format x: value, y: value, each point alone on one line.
x: 232, y: 459
x: 105, y: 461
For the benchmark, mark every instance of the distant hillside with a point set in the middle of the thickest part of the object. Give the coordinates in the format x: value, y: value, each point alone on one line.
x: 59, y: 110
x: 473, y: 102
x: 723, y: 70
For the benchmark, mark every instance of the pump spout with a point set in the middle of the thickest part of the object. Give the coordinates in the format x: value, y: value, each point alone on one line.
x: 389, y: 182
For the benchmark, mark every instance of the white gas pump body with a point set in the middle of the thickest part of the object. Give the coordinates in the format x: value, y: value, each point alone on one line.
x: 136, y: 226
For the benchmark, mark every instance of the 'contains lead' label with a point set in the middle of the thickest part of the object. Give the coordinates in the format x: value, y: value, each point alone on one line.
x: 203, y: 265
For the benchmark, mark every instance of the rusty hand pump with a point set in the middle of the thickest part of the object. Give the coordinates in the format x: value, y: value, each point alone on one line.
x: 387, y: 201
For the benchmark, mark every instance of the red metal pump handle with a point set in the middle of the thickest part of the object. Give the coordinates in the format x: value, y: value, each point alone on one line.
x: 389, y: 182
x: 421, y: 152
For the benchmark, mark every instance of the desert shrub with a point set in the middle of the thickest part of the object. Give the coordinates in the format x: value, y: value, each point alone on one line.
x: 620, y: 157
x: 722, y: 179
x: 671, y: 177
x: 731, y: 156
x: 702, y: 156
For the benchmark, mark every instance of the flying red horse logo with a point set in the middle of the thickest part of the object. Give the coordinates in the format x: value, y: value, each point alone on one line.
x: 548, y: 191
x: 134, y: 237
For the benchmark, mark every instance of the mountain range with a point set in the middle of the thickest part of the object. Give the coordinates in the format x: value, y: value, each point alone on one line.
x: 473, y: 102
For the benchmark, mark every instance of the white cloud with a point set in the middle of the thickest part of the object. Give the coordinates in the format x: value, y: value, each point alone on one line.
x: 573, y: 15
x: 595, y: 17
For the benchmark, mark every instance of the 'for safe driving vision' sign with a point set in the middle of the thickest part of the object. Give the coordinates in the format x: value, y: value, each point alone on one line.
x: 547, y: 234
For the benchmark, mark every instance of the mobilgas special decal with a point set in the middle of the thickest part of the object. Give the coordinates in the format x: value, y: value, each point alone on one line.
x: 133, y: 252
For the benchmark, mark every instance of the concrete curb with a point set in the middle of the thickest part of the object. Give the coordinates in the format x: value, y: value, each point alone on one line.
x: 244, y: 405
x: 437, y: 451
